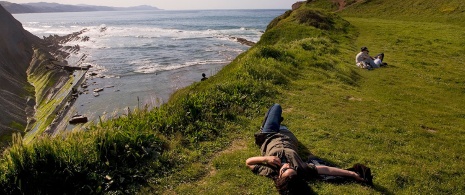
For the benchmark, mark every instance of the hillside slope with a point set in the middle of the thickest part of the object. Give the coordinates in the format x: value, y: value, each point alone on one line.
x: 34, y: 84
x: 452, y: 11
x: 405, y: 121
x: 15, y: 53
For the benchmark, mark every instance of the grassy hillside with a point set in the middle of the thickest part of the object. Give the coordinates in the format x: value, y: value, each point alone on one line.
x: 404, y: 121
x: 451, y: 11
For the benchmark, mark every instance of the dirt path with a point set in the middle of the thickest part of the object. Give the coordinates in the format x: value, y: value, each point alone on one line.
x: 343, y: 3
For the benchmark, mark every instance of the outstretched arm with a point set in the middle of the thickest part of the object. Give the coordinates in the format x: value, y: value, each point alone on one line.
x: 273, y: 161
x: 325, y: 170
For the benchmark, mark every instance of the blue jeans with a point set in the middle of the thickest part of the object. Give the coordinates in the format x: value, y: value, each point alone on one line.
x: 272, y: 121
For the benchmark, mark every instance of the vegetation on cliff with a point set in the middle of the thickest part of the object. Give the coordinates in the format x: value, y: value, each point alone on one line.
x: 404, y: 121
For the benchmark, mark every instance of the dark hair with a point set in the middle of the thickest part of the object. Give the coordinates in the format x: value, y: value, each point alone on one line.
x: 381, y: 55
x: 292, y: 185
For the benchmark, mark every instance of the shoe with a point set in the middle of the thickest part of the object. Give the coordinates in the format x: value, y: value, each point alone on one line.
x: 364, y: 172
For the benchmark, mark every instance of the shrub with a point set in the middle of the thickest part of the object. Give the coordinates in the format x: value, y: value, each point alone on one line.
x: 314, y: 18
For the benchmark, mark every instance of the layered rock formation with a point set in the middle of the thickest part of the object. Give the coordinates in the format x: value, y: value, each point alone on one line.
x: 16, y: 51
x: 36, y: 80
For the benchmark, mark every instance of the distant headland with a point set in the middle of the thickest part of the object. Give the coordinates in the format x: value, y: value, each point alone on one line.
x: 43, y: 7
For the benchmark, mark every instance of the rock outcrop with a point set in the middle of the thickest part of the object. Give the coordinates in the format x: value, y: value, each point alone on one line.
x: 16, y: 50
x: 297, y: 4
x: 37, y: 83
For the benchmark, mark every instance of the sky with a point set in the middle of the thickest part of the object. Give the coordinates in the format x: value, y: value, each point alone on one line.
x: 179, y: 4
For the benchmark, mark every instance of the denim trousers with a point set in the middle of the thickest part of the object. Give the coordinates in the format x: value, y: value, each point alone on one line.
x: 272, y: 121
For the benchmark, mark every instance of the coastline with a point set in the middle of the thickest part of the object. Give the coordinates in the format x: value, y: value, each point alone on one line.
x: 55, y: 82
x: 56, y: 107
x: 162, y: 59
x: 63, y: 111
x: 69, y: 106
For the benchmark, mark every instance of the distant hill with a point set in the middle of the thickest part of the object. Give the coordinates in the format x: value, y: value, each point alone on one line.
x: 42, y: 7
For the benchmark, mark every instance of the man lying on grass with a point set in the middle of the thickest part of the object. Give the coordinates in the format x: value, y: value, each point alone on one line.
x: 281, y: 162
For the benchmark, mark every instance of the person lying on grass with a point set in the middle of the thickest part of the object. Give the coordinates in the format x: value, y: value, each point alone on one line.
x: 379, y: 60
x: 280, y: 160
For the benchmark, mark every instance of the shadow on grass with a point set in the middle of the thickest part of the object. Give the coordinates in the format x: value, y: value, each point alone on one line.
x: 382, y: 190
x: 388, y: 66
x: 305, y: 154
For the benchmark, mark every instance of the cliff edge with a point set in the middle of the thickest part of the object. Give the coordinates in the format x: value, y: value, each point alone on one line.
x: 34, y: 83
x: 16, y: 50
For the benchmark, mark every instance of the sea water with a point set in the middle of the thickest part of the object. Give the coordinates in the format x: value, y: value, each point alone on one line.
x: 141, y: 57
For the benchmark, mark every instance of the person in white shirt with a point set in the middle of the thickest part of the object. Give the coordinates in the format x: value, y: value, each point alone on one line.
x: 364, y: 60
x: 379, y: 60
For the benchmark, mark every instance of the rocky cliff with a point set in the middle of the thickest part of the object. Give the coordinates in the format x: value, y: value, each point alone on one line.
x: 34, y: 83
x: 16, y: 50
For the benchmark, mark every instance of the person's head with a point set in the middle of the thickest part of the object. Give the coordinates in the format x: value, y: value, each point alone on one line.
x: 203, y: 75
x: 287, y: 171
x: 381, y: 56
x: 288, y: 182
x: 364, y: 49
x: 292, y: 185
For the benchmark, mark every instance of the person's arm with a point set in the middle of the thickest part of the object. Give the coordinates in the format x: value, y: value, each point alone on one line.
x: 273, y: 161
x: 367, y: 56
x: 325, y: 170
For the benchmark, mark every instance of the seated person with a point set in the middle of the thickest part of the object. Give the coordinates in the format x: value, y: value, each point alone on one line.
x: 204, y: 77
x: 364, y: 60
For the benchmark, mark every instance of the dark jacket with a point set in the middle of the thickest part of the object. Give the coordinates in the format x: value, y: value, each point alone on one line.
x: 284, y: 145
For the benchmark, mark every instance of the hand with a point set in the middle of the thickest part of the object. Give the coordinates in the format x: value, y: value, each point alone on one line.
x: 357, y: 177
x: 273, y: 161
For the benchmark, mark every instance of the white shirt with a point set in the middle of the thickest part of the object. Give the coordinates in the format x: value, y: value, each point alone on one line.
x: 378, y: 62
x: 361, y: 57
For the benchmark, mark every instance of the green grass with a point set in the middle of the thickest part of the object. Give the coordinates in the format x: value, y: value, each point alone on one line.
x: 414, y: 10
x: 43, y: 82
x: 404, y: 121
x: 451, y: 12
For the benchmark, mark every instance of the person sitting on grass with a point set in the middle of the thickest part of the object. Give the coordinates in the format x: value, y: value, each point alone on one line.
x: 204, y: 77
x: 280, y: 161
x: 364, y: 60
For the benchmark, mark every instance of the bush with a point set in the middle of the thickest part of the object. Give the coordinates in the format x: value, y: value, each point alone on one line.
x: 314, y: 18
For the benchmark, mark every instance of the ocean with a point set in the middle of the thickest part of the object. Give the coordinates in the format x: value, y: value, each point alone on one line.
x: 140, y: 58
